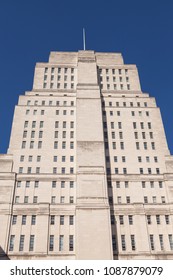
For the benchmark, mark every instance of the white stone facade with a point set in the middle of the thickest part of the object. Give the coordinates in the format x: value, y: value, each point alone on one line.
x: 88, y: 174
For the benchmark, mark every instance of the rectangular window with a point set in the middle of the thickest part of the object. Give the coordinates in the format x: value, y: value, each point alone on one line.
x: 52, y: 219
x: 24, y: 220
x: 61, y: 220
x: 33, y: 219
x: 121, y: 219
x: 11, y: 246
x: 18, y: 184
x: 36, y: 184
x: 61, y: 242
x: 132, y: 237
x: 130, y: 217
x: 27, y: 185
x: 71, y: 199
x: 149, y: 219
x: 123, y: 242
x: 53, y: 184
x: 71, y: 184
x: 71, y: 243
x: 14, y: 219
x: 170, y: 241
x: 158, y: 219
x: 128, y: 199
x: 145, y: 199
x: 25, y: 199
x: 167, y: 219
x: 161, y: 242
x: 71, y: 220
x: 56, y: 145
x: 114, y: 244
x: 31, y: 243
x: 51, y: 243
x: 35, y: 199
x: 53, y: 199
x: 152, y: 242
x: 21, y: 243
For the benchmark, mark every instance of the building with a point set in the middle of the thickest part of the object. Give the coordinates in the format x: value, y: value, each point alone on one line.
x: 88, y: 174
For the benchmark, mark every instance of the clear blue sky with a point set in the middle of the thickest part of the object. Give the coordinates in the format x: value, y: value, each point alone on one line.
x: 141, y: 30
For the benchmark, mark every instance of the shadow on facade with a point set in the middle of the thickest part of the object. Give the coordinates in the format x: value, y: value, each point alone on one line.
x: 109, y: 184
x: 3, y: 255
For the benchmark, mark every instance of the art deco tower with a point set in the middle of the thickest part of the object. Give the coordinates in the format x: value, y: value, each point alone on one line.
x: 88, y: 174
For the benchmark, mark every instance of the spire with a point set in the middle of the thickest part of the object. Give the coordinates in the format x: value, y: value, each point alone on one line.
x: 84, y: 39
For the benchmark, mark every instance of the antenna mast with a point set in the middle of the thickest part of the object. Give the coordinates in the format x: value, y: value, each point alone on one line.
x: 84, y: 39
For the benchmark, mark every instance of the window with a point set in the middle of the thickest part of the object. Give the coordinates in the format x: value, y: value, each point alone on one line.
x: 40, y: 134
x: 71, y: 199
x: 143, y: 135
x: 122, y: 145
x: 151, y: 135
x: 130, y: 217
x: 27, y: 185
x: 63, y: 170
x: 20, y: 169
x: 149, y: 125
x: 123, y: 242
x: 71, y: 158
x: 170, y: 241
x: 145, y: 199
x: 39, y: 144
x: 71, y: 220
x: 54, y: 170
x: 33, y: 124
x: 119, y: 125
x: 132, y: 237
x: 71, y: 145
x: 33, y: 219
x: 25, y: 134
x: 136, y: 135
x: 149, y: 171
x: 134, y: 125
x: 143, y: 184
x: 56, y: 145
x: 53, y: 199
x: 56, y: 124
x: 35, y: 199
x: 41, y: 124
x: 112, y: 125
x: 137, y: 146
x: 18, y: 184
x: 52, y: 219
x: 121, y: 219
x: 118, y: 184
x: 152, y: 241
x: 23, y: 219
x: 116, y: 170
x: 142, y: 125
x: 14, y: 219
x: 38, y: 158
x: 42, y: 112
x: 53, y: 184
x: 62, y: 184
x: 61, y: 220
x: 27, y: 112
x: 133, y: 113
x: 29, y: 170
x: 141, y: 170
x: 25, y: 199
x: 55, y: 158
x: 158, y: 219
x: 157, y: 171
x: 153, y: 145
x: 31, y: 243
x: 17, y: 199
x: 147, y: 159
x: 155, y: 159
x: 23, y: 144
x: 61, y: 242
x: 71, y: 243
x: 62, y: 199
x: 36, y: 184
x: 128, y: 199
x: 149, y: 219
x: 31, y: 144
x: 71, y: 184
x: 124, y: 170
x: 25, y: 124
x: 114, y: 145
x: 51, y: 243
x: 167, y: 219
x: 161, y: 241
x: 152, y: 184
x: 119, y: 199
x: 71, y: 124
x: 163, y: 199
x: 11, y: 246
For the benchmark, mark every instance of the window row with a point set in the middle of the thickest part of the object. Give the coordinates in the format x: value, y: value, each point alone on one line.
x: 114, y: 79
x: 152, y: 242
x: 115, y: 87
x: 59, y: 86
x: 127, y: 199
x: 124, y: 104
x: 53, y: 70
x: 37, y: 170
x: 50, y: 103
x: 53, y: 199
x: 33, y: 219
x: 103, y: 71
x: 36, y: 184
x: 159, y: 219
x: 40, y: 124
x: 59, y: 77
x: 57, y: 112
x: 22, y: 246
x: 39, y: 158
